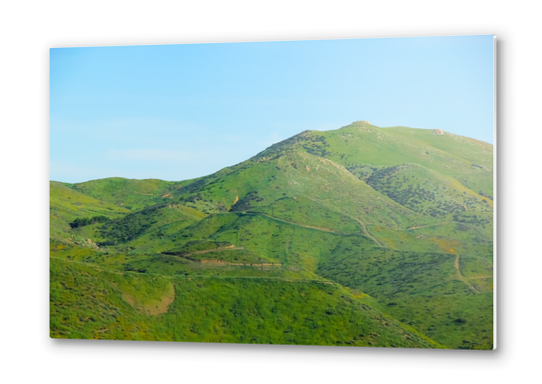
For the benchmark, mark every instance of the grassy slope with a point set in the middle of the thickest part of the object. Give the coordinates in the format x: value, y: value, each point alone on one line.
x: 258, y: 184
x: 129, y: 193
x: 88, y: 302
x: 359, y: 144
x: 88, y: 312
x: 296, y: 207
x: 421, y: 289
x: 425, y: 191
x: 66, y: 205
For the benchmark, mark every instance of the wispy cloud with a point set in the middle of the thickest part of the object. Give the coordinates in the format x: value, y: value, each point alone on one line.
x: 140, y: 131
x: 149, y: 154
x: 70, y: 172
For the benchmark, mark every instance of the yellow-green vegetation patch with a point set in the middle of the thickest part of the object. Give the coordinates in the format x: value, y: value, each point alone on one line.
x: 150, y: 299
x: 445, y: 237
x: 128, y: 193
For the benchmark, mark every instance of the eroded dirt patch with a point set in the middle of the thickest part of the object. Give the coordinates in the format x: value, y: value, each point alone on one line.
x: 152, y: 307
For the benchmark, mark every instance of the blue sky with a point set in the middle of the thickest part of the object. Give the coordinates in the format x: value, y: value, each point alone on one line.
x: 176, y: 112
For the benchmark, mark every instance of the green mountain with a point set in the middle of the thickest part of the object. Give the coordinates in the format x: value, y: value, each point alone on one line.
x: 360, y: 236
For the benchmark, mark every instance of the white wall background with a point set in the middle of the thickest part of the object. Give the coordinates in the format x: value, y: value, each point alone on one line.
x: 29, y: 28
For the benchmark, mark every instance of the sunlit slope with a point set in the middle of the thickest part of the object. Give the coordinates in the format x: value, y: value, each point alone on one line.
x: 257, y: 185
x: 431, y: 194
x: 129, y: 193
x: 427, y: 192
x: 444, y: 237
x: 360, y: 147
x: 67, y: 205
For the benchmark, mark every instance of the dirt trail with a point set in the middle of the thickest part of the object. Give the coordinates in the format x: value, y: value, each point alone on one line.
x: 226, y: 263
x: 304, y: 226
x: 367, y: 232
x: 154, y: 307
x: 220, y: 262
x: 177, y: 277
x: 461, y: 277
x: 228, y: 248
x: 458, y: 202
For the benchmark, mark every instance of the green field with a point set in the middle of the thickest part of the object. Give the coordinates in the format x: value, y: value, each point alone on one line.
x: 360, y: 236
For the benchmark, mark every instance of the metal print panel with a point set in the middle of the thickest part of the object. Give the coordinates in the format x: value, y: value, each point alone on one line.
x: 335, y: 192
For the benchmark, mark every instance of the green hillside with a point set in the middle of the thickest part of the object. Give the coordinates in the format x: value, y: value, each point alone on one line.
x: 90, y: 303
x: 361, y: 236
x: 128, y: 193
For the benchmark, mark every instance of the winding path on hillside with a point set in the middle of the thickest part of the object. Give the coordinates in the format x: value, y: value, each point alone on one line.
x: 179, y: 277
x: 228, y: 248
x: 461, y: 277
x: 219, y: 262
x: 366, y: 232
x: 303, y: 225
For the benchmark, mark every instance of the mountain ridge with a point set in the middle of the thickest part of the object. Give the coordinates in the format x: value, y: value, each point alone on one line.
x: 385, y: 213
